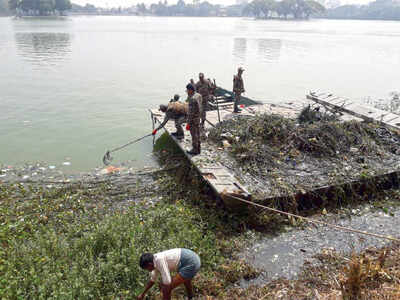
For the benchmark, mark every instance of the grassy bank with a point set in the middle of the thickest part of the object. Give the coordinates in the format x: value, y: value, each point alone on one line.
x: 75, y: 242
x: 83, y: 240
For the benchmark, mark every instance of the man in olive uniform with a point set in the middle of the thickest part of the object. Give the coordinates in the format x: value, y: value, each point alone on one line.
x: 238, y: 89
x: 203, y: 87
x: 193, y: 119
x: 176, y: 111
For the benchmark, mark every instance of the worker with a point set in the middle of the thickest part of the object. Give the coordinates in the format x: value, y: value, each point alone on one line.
x: 176, y: 111
x: 184, y: 261
x: 238, y: 89
x: 203, y: 87
x: 193, y: 119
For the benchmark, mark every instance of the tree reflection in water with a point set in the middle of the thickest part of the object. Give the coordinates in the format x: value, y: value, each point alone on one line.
x: 239, y: 50
x: 43, y: 48
x: 268, y: 50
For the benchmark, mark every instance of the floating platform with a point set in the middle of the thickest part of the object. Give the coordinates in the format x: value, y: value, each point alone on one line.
x: 223, y: 173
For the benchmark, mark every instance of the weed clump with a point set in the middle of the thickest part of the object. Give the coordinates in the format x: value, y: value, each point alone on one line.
x: 265, y: 141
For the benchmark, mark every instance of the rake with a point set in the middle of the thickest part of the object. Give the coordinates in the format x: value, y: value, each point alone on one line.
x: 107, y: 158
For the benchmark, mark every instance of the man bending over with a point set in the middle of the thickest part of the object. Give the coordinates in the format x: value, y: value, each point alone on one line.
x: 184, y: 261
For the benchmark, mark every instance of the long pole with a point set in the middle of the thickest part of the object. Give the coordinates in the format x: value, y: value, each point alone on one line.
x: 219, y: 118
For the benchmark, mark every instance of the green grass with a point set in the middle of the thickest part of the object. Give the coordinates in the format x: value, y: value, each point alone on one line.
x: 71, y: 243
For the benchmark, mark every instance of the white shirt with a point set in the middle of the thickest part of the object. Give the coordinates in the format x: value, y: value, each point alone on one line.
x: 164, y: 263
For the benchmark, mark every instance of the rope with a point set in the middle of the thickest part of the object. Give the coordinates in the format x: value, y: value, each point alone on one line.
x: 337, y: 227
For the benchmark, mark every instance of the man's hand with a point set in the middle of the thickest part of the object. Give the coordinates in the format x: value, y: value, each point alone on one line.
x: 187, y: 126
x: 154, y: 132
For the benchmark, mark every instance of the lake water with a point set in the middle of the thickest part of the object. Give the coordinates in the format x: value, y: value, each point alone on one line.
x: 72, y: 88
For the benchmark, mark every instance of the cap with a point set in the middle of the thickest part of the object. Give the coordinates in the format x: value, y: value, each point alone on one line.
x: 190, y: 87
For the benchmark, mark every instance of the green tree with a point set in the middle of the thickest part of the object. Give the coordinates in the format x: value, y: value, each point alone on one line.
x: 13, y: 4
x: 313, y: 7
x: 283, y: 8
x: 4, y: 7
x: 267, y: 7
x: 62, y: 5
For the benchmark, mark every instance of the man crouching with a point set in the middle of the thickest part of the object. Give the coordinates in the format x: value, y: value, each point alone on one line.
x: 184, y: 261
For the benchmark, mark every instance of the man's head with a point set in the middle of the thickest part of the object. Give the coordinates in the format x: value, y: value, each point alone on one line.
x: 163, y: 108
x: 176, y: 97
x: 240, y: 70
x: 201, y: 76
x: 190, y: 89
x: 147, y: 261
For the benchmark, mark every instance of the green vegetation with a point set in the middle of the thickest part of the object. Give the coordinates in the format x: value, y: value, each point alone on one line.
x: 39, y: 7
x: 77, y: 242
x: 377, y: 10
x: 297, y: 9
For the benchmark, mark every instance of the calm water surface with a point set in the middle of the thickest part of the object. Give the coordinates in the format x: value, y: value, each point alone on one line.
x: 72, y: 88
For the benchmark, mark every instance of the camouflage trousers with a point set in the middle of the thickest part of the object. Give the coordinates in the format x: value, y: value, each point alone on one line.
x: 178, y: 125
x: 195, y: 132
x: 237, y: 100
x: 204, y: 105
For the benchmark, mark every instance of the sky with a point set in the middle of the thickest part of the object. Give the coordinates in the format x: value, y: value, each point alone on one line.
x: 128, y: 3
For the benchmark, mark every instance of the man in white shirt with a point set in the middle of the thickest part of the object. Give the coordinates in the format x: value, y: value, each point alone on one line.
x: 184, y: 261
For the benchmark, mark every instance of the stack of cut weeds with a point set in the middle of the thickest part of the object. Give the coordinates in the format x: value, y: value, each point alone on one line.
x: 273, y: 141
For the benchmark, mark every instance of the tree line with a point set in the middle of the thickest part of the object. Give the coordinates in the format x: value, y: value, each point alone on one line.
x: 39, y: 7
x: 4, y: 11
x: 296, y: 9
x: 377, y: 10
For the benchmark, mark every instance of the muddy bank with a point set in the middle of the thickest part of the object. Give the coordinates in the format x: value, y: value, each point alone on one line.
x: 284, y: 255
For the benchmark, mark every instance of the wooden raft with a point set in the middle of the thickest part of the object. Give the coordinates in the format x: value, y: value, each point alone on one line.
x: 365, y: 112
x: 221, y: 180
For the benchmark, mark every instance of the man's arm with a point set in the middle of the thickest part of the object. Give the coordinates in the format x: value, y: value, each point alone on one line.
x: 148, y: 286
x: 166, y: 119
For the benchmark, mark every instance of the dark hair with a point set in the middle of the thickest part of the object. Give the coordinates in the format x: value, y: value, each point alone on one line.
x: 145, y: 259
x: 163, y: 108
x: 190, y: 87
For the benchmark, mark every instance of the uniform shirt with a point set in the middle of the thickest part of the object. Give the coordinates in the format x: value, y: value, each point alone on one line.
x: 164, y: 263
x: 194, y: 108
x: 203, y: 88
x: 238, y: 86
x: 175, y: 110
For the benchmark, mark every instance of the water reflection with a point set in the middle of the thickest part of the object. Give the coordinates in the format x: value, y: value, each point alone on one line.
x: 268, y: 50
x: 43, y: 48
x: 265, y: 50
x: 239, y: 49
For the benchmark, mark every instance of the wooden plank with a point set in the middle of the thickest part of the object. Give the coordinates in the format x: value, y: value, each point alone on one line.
x: 216, y: 175
x: 362, y: 111
x: 390, y: 117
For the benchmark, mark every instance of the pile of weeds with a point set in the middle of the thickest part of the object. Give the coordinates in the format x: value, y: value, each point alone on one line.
x: 314, y: 114
x: 267, y: 140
